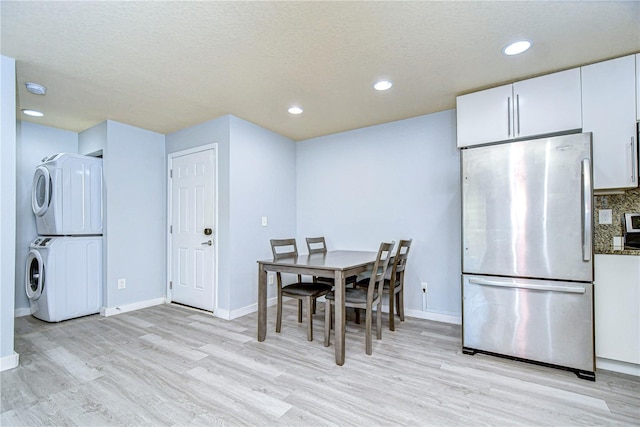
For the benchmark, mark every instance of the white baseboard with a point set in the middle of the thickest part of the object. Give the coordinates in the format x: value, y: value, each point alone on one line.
x: 222, y: 314
x: 9, y: 362
x: 111, y: 311
x: 21, y: 312
x: 618, y: 366
x: 234, y: 314
x: 454, y: 319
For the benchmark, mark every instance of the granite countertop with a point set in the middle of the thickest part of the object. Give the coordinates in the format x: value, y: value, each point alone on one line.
x: 632, y: 252
x: 603, y: 234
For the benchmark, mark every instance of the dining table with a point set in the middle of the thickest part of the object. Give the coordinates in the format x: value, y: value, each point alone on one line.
x: 338, y: 264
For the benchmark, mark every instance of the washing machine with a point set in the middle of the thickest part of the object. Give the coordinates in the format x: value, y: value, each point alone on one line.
x: 64, y: 277
x: 66, y: 195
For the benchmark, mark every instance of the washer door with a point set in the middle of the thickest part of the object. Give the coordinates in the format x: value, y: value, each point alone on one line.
x: 34, y: 277
x: 41, y: 191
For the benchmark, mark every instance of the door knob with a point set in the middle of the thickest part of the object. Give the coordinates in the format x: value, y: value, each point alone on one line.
x: 208, y: 243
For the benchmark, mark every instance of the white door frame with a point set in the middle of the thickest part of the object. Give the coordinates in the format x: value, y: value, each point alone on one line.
x: 170, y: 157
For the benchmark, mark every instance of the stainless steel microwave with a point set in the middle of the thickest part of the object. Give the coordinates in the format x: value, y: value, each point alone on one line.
x: 632, y: 230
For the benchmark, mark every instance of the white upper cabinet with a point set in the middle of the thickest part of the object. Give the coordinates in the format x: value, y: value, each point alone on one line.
x: 537, y: 106
x: 609, y: 111
x: 484, y: 116
x: 548, y: 104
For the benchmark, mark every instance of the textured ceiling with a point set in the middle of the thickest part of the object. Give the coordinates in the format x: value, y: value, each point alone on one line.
x: 165, y: 66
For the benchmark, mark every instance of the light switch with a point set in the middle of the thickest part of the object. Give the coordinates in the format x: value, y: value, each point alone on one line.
x: 264, y: 221
x: 605, y: 216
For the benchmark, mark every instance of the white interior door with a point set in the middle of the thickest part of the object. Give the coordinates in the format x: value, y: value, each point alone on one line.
x: 192, y: 231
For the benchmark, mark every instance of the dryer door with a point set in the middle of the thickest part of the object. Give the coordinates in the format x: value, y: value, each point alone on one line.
x: 41, y: 191
x: 34, y: 277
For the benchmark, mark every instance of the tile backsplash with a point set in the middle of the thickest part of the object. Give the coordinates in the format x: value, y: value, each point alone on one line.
x: 604, y: 233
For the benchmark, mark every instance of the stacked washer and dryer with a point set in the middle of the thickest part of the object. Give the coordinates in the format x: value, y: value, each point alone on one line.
x: 64, y: 265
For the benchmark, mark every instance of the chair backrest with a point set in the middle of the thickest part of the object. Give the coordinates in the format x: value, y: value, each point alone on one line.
x: 400, y: 260
x: 316, y: 245
x: 284, y: 248
x: 376, y: 282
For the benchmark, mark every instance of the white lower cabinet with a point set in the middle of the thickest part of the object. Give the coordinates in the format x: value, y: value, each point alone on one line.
x: 617, y: 307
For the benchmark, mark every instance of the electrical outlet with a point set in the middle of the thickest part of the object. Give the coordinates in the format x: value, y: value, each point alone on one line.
x: 270, y: 276
x: 617, y: 243
x: 424, y: 287
x: 122, y: 283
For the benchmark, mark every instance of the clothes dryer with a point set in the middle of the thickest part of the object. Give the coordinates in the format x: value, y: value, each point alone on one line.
x: 66, y: 195
x: 64, y: 277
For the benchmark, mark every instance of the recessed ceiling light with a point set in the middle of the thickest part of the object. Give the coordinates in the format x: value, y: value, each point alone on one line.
x: 516, y: 48
x: 33, y: 113
x: 36, y: 88
x: 295, y: 110
x: 383, y: 85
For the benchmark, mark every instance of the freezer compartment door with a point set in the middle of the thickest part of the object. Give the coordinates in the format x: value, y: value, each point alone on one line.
x: 539, y: 320
x: 527, y: 209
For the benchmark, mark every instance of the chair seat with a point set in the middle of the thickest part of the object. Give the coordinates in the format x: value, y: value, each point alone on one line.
x: 364, y: 277
x: 387, y: 284
x: 348, y: 280
x: 305, y: 289
x: 352, y: 295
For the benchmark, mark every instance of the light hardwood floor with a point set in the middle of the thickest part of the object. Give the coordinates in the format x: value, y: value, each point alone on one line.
x: 169, y: 365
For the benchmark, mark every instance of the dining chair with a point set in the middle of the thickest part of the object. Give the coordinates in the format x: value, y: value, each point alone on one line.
x: 301, y: 290
x: 317, y: 245
x: 364, y: 298
x: 394, y: 282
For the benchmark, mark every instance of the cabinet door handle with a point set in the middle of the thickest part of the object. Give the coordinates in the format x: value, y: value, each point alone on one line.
x: 509, y: 116
x: 518, y: 112
x: 634, y: 154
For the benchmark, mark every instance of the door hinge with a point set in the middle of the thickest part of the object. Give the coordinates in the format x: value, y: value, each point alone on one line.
x: 170, y: 284
x: 171, y: 229
x: 170, y: 173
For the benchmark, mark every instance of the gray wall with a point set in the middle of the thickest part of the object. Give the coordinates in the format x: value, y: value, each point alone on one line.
x: 93, y: 140
x: 34, y: 143
x: 135, y: 210
x: 389, y: 182
x: 7, y: 209
x: 322, y: 186
x: 214, y: 131
x: 135, y: 204
x: 263, y: 183
x: 256, y: 178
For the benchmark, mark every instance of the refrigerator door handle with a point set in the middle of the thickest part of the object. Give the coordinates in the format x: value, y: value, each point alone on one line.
x: 586, y: 210
x: 529, y: 286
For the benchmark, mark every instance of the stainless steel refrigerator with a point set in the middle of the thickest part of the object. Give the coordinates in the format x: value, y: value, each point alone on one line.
x: 527, y: 282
